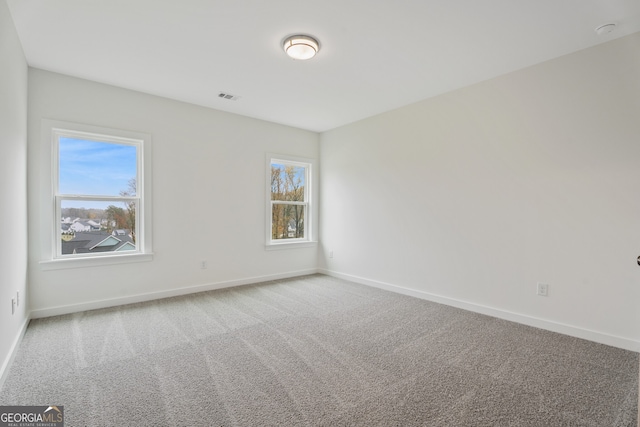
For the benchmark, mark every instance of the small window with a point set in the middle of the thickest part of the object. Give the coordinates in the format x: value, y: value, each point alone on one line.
x: 99, y: 192
x: 289, y: 196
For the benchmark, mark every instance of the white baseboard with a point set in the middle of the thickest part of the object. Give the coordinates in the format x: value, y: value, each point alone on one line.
x: 4, y: 369
x: 93, y: 305
x: 599, y: 337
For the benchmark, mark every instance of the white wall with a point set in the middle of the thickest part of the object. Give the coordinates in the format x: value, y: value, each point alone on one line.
x: 13, y: 185
x: 478, y: 194
x: 208, y: 195
x: 470, y: 198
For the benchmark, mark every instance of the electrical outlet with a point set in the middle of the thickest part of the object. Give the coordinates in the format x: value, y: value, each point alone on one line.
x: 13, y: 306
x: 330, y: 254
x: 543, y: 289
x: 17, y: 298
x: 203, y: 265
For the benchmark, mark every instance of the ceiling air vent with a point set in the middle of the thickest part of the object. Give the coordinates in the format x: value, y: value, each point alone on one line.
x: 224, y: 95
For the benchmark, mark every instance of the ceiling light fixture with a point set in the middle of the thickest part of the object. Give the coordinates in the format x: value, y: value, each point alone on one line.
x: 301, y: 47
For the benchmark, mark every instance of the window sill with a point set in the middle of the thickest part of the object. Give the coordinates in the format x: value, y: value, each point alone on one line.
x: 59, y: 264
x: 290, y: 245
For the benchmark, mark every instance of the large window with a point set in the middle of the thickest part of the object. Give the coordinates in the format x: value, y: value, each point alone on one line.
x: 100, y: 195
x: 289, y: 196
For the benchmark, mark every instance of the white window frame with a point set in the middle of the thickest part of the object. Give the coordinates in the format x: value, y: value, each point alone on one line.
x: 52, y: 257
x: 309, y: 202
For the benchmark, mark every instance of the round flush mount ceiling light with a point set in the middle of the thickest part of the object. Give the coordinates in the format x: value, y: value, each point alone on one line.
x: 605, y: 28
x: 301, y: 47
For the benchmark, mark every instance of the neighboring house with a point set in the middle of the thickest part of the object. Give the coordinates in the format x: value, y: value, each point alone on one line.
x: 80, y: 225
x: 291, y: 229
x: 69, y: 220
x: 98, y: 241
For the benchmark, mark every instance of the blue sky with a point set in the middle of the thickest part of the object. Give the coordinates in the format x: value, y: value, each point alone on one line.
x: 95, y: 168
x: 299, y: 170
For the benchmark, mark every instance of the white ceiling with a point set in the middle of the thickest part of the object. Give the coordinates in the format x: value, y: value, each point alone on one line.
x: 375, y: 55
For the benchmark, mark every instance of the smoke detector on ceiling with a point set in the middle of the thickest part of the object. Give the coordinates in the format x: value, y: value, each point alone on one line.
x: 228, y: 96
x: 605, y: 28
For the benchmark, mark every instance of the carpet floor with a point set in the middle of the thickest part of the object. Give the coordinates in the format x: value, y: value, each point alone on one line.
x: 315, y: 351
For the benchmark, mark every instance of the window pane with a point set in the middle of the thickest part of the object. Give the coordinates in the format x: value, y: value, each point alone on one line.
x: 89, y: 226
x: 287, y: 182
x: 96, y: 168
x: 287, y: 221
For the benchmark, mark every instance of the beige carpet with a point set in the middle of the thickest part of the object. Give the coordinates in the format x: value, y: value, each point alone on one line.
x: 315, y: 351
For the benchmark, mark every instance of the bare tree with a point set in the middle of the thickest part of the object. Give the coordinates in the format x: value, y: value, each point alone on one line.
x: 277, y: 213
x: 130, y: 207
x: 116, y: 218
x: 295, y: 192
x: 287, y: 184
